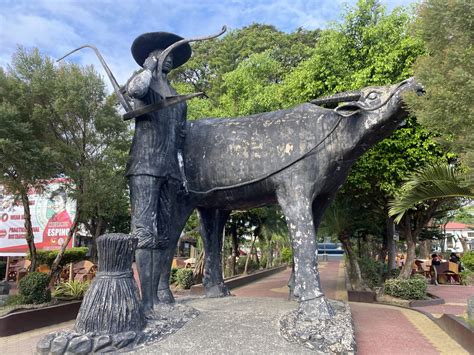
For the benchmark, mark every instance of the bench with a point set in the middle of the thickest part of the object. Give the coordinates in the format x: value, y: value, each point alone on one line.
x: 84, y: 270
x: 80, y: 271
x: 444, y: 272
x: 17, y: 269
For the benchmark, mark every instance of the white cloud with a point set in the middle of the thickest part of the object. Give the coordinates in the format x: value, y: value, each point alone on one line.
x: 58, y: 26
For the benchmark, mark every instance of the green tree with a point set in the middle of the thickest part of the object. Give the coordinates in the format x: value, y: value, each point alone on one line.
x: 93, y: 142
x: 369, y: 47
x: 213, y: 60
x: 26, y: 159
x: 447, y: 72
x: 68, y: 128
x: 271, y: 232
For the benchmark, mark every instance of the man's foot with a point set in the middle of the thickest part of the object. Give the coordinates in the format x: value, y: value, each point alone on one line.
x: 152, y: 315
x: 165, y: 296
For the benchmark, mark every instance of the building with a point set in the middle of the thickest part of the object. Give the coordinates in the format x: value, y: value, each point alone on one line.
x: 455, y: 231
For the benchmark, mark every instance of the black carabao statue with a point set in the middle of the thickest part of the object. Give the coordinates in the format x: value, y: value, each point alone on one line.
x: 297, y: 158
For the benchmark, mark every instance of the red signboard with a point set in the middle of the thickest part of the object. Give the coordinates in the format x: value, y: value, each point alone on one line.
x: 51, y: 210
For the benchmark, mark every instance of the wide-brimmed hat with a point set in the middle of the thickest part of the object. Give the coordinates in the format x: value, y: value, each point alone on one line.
x: 146, y: 43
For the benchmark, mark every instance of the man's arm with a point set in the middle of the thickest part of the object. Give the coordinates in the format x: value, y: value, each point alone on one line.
x: 137, y: 86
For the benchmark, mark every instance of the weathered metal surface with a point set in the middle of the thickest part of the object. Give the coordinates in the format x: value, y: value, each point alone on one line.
x: 297, y: 158
x: 324, y: 336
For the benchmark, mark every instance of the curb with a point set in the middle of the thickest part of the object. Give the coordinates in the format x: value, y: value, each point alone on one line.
x: 457, y: 329
x: 238, y: 281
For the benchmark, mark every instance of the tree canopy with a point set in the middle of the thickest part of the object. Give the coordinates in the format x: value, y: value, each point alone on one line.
x: 56, y: 120
x: 447, y: 72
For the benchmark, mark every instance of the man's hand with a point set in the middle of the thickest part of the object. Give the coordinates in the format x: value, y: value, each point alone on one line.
x: 150, y: 63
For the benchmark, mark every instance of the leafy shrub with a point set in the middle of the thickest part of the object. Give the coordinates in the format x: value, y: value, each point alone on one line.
x: 185, y: 278
x: 253, y: 265
x: 74, y: 289
x: 72, y: 255
x: 34, y: 288
x: 372, y: 271
x: 393, y: 274
x: 173, y: 272
x: 286, y: 255
x: 411, y: 289
x: 467, y: 260
x: 467, y: 278
x: 14, y: 300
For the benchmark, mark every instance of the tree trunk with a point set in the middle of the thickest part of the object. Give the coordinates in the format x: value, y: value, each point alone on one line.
x: 98, y: 231
x: 249, y: 255
x: 223, y: 258
x: 29, y: 236
x: 410, y: 237
x: 383, y: 250
x: 425, y: 249
x: 464, y: 240
x: 270, y: 254
x: 353, y: 269
x: 391, y: 244
x: 235, y: 250
x: 54, y: 273
x: 198, y: 272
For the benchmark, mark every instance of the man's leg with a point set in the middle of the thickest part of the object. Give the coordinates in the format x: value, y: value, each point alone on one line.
x: 144, y: 194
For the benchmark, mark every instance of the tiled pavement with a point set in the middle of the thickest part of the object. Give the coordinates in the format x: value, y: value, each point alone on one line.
x: 380, y: 329
x: 455, y: 297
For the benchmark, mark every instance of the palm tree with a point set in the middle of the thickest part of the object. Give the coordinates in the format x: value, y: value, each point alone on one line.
x: 421, y: 198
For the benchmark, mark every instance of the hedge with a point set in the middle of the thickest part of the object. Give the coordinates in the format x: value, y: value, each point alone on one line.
x: 411, y: 289
x: 33, y: 288
x: 72, y: 255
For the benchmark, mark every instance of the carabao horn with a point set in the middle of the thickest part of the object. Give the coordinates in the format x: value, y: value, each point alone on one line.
x: 337, y: 98
x: 164, y: 54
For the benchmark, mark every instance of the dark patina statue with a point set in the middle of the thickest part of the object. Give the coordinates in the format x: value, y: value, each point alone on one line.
x: 153, y: 163
x: 297, y: 158
x: 156, y: 166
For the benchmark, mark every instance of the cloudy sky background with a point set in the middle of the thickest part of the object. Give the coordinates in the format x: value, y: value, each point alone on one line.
x: 58, y: 26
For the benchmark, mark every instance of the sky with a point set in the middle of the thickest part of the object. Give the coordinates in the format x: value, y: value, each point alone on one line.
x: 56, y: 27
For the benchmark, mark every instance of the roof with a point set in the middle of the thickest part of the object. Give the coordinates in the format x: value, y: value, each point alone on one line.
x: 458, y: 226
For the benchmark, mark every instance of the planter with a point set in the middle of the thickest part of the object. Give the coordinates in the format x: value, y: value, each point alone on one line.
x: 361, y: 296
x: 358, y: 296
x: 25, y: 320
x: 237, y: 281
x: 67, y: 298
x: 434, y: 300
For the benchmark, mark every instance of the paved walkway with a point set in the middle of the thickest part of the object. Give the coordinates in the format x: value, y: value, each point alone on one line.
x: 379, y: 329
x: 455, y: 298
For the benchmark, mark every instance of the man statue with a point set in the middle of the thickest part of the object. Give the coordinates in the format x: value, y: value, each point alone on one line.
x: 153, y: 164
